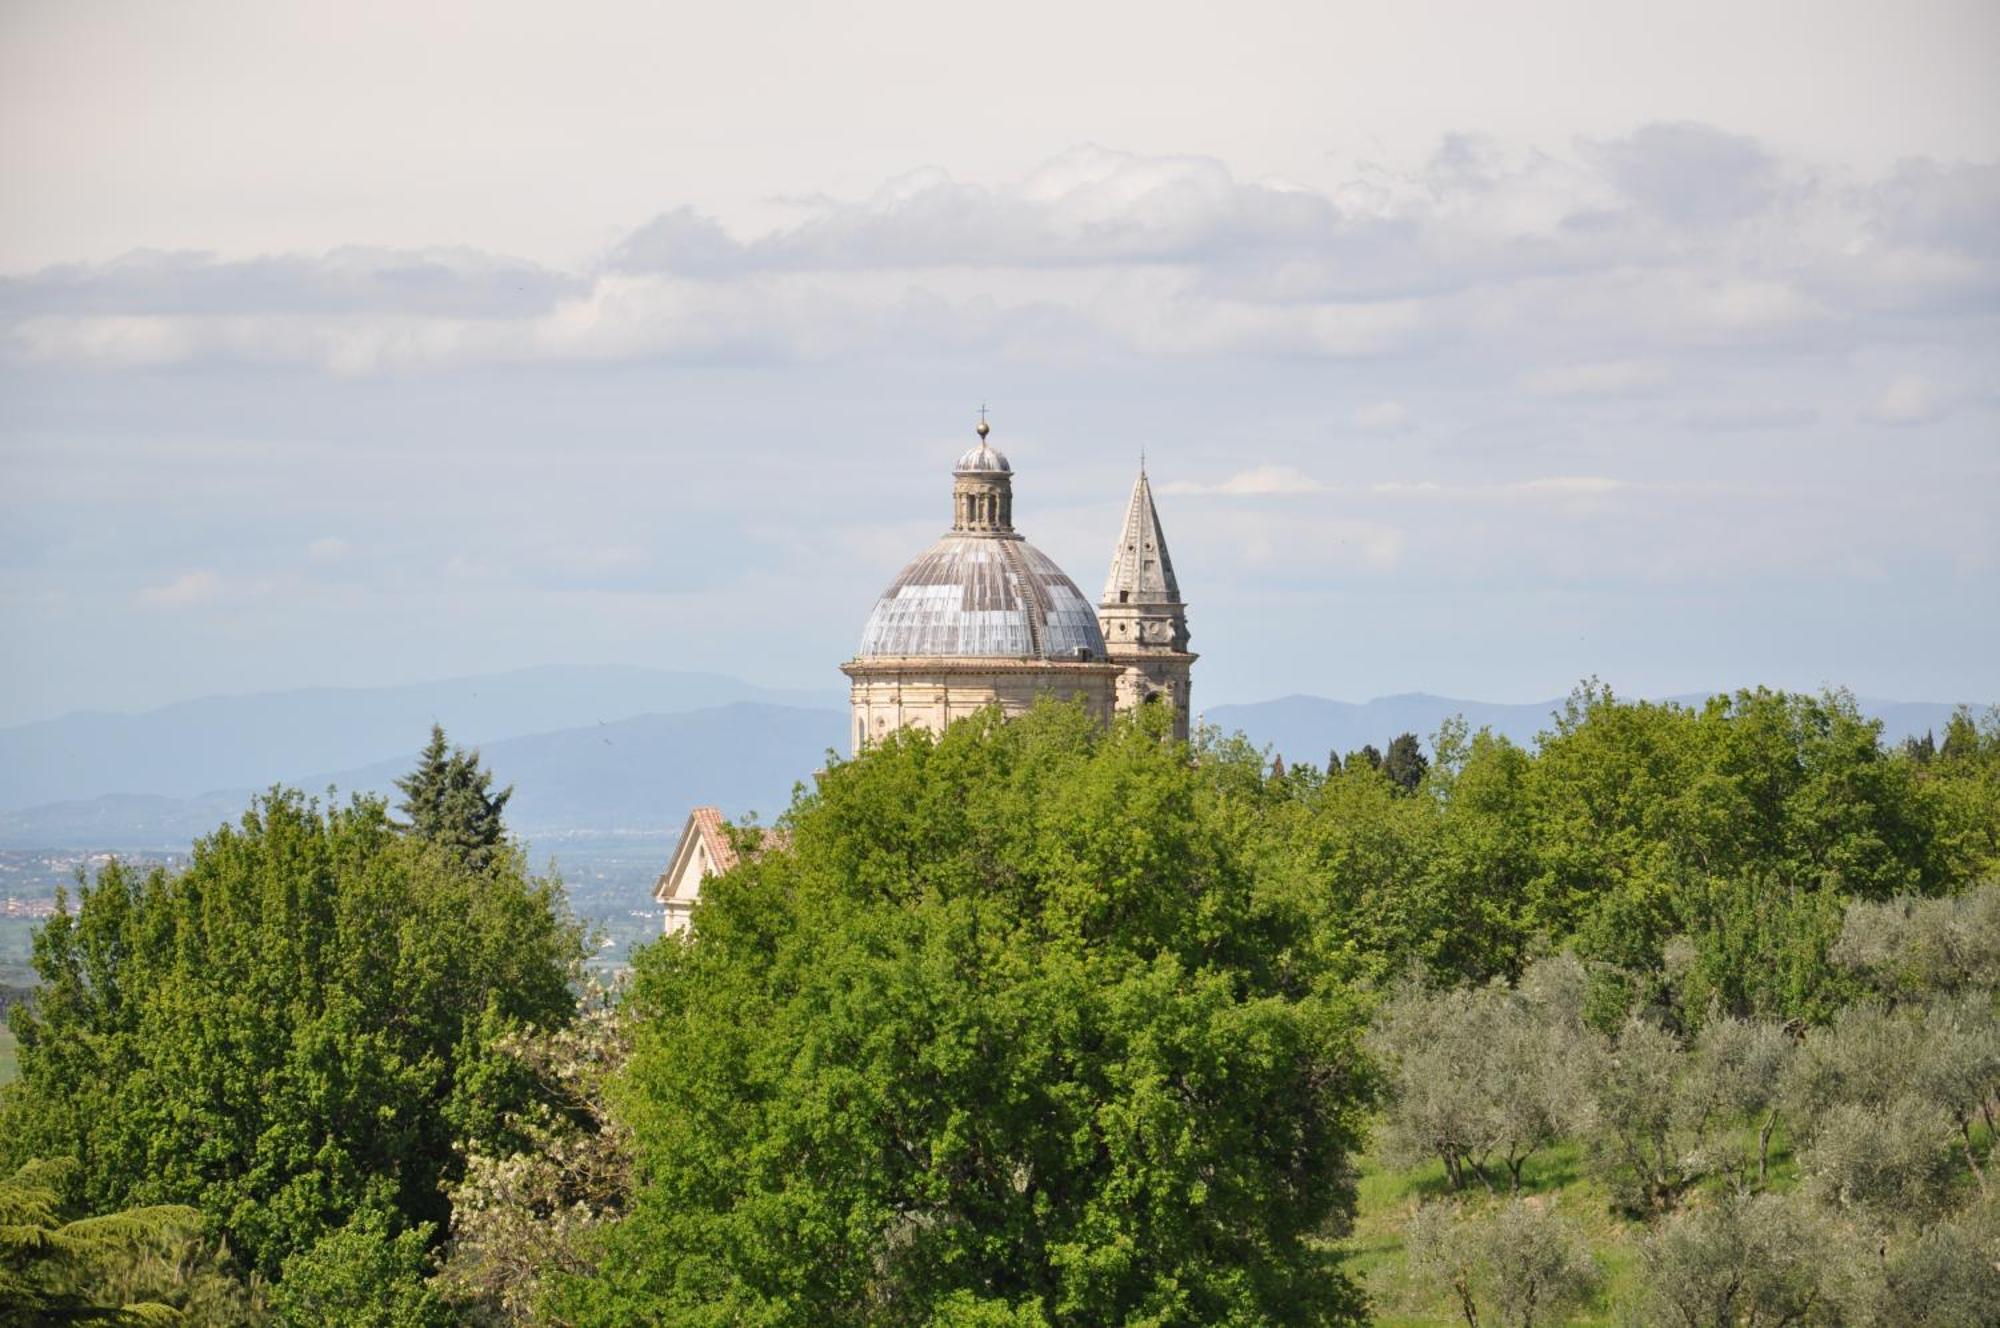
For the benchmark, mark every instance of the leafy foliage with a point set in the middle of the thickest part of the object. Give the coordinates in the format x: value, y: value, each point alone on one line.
x: 54, y: 1271
x: 1517, y: 1265
x: 286, y: 1032
x: 555, y: 1175
x: 362, y: 1276
x: 1005, y: 1037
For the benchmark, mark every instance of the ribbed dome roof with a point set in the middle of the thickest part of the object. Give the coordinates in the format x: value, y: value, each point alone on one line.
x: 983, y: 459
x: 983, y: 597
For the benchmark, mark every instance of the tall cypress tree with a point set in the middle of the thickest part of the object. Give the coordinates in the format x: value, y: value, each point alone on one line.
x: 1405, y: 762
x: 449, y: 800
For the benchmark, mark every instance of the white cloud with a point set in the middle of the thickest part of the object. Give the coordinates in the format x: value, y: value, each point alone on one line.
x: 1262, y: 480
x: 1911, y: 399
x: 1611, y: 378
x: 1597, y: 276
x: 185, y: 591
x: 1383, y: 417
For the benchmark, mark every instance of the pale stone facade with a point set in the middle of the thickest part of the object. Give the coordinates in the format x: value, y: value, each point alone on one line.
x: 915, y: 692
x: 704, y: 850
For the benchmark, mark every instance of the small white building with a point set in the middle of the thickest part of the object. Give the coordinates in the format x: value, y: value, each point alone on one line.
x: 706, y: 849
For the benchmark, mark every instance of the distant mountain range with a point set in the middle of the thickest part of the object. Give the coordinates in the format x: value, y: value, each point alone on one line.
x: 641, y: 773
x: 587, y: 750
x: 228, y: 742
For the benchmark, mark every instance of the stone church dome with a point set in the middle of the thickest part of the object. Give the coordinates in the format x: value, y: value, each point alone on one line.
x: 985, y: 596
x: 983, y: 592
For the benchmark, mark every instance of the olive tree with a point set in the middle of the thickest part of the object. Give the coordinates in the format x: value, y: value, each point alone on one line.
x: 1742, y: 1261
x: 1916, y: 947
x: 1655, y: 1118
x: 1478, y: 1072
x: 1738, y: 1067
x: 1947, y: 1277
x: 1517, y: 1264
x: 1923, y: 1073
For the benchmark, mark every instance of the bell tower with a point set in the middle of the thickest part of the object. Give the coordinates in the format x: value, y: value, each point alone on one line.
x: 1142, y: 617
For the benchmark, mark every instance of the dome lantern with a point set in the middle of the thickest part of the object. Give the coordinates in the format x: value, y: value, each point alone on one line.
x: 982, y: 489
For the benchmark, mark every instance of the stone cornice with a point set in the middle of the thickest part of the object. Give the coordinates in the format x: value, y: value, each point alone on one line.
x: 1136, y: 654
x: 961, y: 666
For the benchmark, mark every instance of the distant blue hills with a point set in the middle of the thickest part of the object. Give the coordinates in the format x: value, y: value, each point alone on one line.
x: 587, y: 749
x: 227, y: 742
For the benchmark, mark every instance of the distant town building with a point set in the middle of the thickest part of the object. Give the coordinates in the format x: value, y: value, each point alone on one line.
x: 984, y: 618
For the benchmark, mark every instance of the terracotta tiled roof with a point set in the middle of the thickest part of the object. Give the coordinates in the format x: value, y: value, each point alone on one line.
x: 708, y: 824
x: 715, y: 837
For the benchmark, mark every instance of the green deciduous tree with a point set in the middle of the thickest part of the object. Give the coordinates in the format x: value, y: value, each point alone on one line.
x: 362, y: 1275
x: 1006, y: 1036
x: 292, y: 1028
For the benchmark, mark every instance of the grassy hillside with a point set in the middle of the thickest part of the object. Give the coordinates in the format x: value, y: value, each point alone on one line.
x: 9, y: 1066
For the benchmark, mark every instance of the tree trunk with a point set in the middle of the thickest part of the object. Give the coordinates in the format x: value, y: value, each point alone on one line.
x: 1764, y: 1146
x: 1463, y: 1286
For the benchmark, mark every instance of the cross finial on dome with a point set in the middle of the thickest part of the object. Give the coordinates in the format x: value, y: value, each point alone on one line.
x: 983, y: 427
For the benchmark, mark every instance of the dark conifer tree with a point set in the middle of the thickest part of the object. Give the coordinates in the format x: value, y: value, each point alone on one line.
x: 1332, y: 762
x: 1368, y: 754
x: 1405, y: 764
x: 449, y: 800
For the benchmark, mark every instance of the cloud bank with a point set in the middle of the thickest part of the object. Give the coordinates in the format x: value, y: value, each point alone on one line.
x: 1672, y: 407
x: 1596, y: 273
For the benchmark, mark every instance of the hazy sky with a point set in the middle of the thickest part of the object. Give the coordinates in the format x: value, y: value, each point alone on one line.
x: 1476, y: 348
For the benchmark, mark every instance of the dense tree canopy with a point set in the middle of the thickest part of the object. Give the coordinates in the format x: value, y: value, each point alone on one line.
x: 1005, y: 1037
x: 1739, y: 830
x: 1035, y: 1024
x: 287, y: 1032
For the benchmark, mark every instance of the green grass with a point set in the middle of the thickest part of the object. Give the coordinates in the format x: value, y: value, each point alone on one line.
x: 1385, y: 1198
x: 9, y: 1063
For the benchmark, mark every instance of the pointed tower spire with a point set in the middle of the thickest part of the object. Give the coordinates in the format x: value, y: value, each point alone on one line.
x: 1142, y: 616
x: 1142, y: 572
